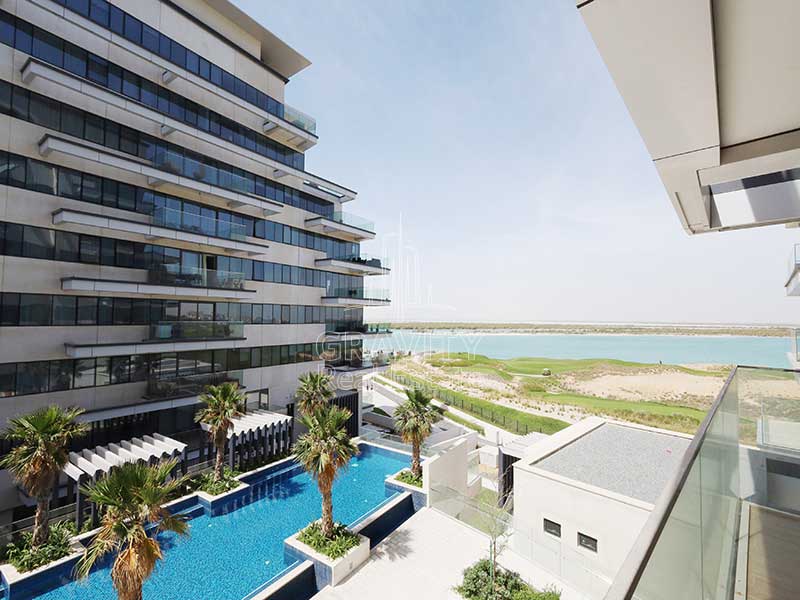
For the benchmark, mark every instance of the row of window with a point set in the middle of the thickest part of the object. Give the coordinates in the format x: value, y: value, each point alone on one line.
x: 41, y: 110
x: 584, y: 541
x: 170, y: 211
x: 109, y: 16
x: 18, y: 379
x: 43, y: 310
x: 166, y: 264
x: 66, y: 55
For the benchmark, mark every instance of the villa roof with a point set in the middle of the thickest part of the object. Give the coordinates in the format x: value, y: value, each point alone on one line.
x: 631, y: 461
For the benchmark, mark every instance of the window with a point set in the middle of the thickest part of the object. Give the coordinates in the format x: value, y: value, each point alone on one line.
x: 64, y: 310
x: 87, y: 311
x: 47, y: 47
x: 8, y: 380
x: 67, y: 245
x: 84, y: 373
x: 552, y: 528
x: 60, y: 375
x: 32, y: 377
x: 38, y: 243
x: 41, y: 177
x: 44, y: 112
x: 34, y: 310
x: 9, y: 309
x: 75, y: 60
x: 588, y: 542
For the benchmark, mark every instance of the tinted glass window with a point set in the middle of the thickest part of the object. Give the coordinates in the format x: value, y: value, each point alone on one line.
x: 64, y: 310
x: 47, y: 47
x: 38, y: 243
x: 34, y: 310
x: 32, y: 377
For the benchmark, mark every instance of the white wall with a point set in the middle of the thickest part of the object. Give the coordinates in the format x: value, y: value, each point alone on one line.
x: 613, y: 520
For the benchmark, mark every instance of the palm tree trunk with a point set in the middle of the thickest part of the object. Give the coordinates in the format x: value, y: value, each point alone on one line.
x: 416, y: 468
x: 327, y: 509
x: 41, y: 523
x: 134, y: 593
x: 219, y: 461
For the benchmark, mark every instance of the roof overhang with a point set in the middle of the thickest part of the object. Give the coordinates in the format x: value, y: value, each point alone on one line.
x: 712, y: 88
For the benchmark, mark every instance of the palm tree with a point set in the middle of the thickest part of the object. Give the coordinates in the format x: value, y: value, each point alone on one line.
x: 315, y: 390
x: 323, y: 450
x: 223, y: 404
x: 414, y: 419
x: 41, y: 449
x: 132, y: 498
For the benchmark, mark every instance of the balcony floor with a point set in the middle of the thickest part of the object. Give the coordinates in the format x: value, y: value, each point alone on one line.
x: 773, y: 551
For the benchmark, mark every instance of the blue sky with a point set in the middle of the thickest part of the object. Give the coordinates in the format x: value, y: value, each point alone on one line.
x: 507, y: 181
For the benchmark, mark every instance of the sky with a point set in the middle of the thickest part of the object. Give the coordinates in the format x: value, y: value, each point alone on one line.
x: 507, y: 182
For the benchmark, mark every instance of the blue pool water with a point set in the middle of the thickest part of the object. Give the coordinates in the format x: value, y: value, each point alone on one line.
x: 227, y: 556
x: 670, y: 349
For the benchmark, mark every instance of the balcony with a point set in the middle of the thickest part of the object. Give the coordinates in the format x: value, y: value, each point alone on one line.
x: 183, y: 276
x: 355, y: 297
x: 728, y: 524
x: 343, y: 225
x: 197, y: 330
x: 169, y: 224
x: 357, y: 330
x: 191, y: 385
x: 136, y: 288
x: 295, y: 129
x: 356, y: 265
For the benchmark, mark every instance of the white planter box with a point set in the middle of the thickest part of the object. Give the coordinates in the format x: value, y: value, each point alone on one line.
x: 338, y: 568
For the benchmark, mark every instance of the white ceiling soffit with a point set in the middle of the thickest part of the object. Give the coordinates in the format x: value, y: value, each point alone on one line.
x: 712, y: 88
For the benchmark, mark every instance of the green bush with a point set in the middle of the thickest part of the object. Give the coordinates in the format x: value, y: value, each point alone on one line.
x: 342, y: 541
x: 546, y: 372
x: 206, y: 483
x: 408, y: 477
x: 24, y: 558
x: 508, y: 585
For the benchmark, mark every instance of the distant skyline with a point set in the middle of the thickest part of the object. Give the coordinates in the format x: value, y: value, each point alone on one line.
x: 506, y: 178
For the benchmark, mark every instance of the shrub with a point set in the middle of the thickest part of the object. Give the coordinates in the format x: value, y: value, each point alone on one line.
x: 408, y: 477
x: 508, y: 585
x: 24, y: 558
x: 206, y: 483
x: 546, y: 372
x: 342, y: 541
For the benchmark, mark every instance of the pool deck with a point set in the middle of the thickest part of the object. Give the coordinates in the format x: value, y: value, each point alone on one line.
x: 424, y: 559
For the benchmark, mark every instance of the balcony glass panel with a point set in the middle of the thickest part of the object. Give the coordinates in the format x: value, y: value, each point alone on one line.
x: 195, y: 223
x: 346, y: 218
x: 357, y: 293
x: 299, y: 119
x: 175, y: 274
x: 193, y: 330
x: 159, y: 388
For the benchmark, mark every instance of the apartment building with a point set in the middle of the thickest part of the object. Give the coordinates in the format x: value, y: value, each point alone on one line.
x: 712, y: 87
x: 159, y: 229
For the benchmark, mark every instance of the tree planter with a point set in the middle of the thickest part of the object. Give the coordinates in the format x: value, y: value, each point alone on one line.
x: 330, y: 571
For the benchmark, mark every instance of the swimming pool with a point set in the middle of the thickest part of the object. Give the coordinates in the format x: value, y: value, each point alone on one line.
x: 237, y: 549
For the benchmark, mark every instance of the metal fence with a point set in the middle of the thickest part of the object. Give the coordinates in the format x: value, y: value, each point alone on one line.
x: 457, y: 400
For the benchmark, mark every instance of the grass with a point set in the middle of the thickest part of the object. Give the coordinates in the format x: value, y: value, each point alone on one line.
x: 340, y: 543
x: 504, y: 417
x: 451, y: 416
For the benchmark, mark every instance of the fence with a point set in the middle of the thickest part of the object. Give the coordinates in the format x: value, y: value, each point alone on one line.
x: 455, y: 399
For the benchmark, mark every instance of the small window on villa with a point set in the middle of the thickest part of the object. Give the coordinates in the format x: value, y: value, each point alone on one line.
x: 552, y: 528
x: 587, y: 542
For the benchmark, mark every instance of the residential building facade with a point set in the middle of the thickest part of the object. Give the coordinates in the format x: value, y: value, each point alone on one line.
x: 159, y: 231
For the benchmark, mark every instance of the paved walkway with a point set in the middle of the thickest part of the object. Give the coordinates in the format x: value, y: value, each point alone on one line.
x: 424, y: 560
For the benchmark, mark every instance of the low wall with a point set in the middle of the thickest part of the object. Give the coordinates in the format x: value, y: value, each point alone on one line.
x: 298, y: 584
x: 380, y: 524
x: 449, y: 468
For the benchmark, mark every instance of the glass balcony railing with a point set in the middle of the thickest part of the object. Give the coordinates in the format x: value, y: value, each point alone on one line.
x: 196, y: 330
x: 374, y: 328
x: 160, y: 388
x: 194, y: 223
x: 357, y: 293
x: 299, y: 119
x: 736, y: 474
x: 352, y: 220
x: 196, y: 277
x: 358, y: 327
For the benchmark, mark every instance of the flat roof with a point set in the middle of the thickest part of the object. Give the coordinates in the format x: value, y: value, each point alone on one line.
x: 630, y: 461
x: 518, y: 446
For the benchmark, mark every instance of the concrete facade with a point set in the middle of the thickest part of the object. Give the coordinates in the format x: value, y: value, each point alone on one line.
x: 218, y: 32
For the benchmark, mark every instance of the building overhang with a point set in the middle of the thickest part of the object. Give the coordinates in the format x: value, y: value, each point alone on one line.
x: 346, y: 301
x: 352, y: 267
x: 712, y: 88
x: 88, y: 284
x: 83, y: 150
x: 147, y: 347
x: 339, y: 230
x: 151, y: 232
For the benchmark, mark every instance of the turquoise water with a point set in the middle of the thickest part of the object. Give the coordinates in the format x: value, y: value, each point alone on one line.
x: 227, y: 556
x: 670, y: 349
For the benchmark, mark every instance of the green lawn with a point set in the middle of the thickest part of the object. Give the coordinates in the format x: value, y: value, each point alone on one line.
x: 450, y: 415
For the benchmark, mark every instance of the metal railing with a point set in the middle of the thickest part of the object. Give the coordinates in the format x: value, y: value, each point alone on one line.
x: 194, y: 223
x: 196, y: 277
x: 193, y: 330
x: 454, y: 399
